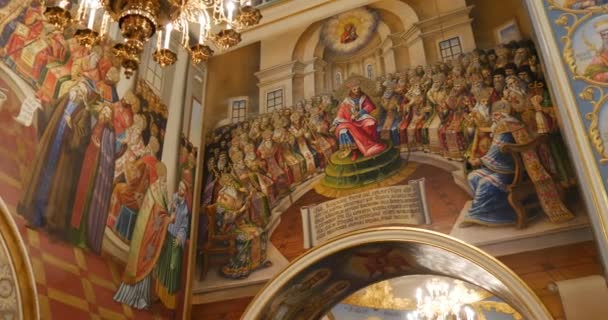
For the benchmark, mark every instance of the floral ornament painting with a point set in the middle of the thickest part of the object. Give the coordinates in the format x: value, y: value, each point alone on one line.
x: 350, y: 31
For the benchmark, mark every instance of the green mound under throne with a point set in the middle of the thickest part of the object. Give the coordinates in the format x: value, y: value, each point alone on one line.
x: 344, y: 176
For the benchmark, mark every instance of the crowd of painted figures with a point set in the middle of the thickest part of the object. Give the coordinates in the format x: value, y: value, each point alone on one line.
x: 464, y: 109
x: 98, y: 158
x: 251, y: 165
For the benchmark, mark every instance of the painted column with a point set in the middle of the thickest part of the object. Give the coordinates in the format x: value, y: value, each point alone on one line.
x: 415, y: 45
x: 389, y: 60
x: 174, y: 122
x: 380, y: 71
x: 320, y: 77
x: 310, y: 79
x: 416, y: 52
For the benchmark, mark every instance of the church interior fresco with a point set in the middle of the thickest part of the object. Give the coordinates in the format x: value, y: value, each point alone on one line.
x: 346, y: 102
x: 447, y: 104
x: 82, y: 167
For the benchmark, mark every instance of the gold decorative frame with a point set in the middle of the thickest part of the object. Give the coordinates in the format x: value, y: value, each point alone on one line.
x: 563, y: 21
x: 595, y: 86
x: 24, y: 275
x: 574, y: 131
x: 594, y: 128
x: 555, y: 5
x: 522, y: 298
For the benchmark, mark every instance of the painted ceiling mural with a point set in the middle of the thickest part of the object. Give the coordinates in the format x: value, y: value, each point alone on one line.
x: 82, y: 166
x: 487, y: 114
x: 350, y: 31
x: 82, y: 169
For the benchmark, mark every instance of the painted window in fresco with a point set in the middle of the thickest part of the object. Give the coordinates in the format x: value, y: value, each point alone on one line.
x: 239, y: 110
x: 450, y: 48
x: 274, y: 100
x: 153, y: 72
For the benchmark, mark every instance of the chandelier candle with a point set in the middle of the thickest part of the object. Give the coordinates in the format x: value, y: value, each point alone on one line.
x: 139, y: 20
x: 167, y: 35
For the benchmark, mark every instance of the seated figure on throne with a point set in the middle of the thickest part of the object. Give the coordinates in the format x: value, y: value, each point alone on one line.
x: 233, y: 217
x: 489, y: 183
x: 356, y: 128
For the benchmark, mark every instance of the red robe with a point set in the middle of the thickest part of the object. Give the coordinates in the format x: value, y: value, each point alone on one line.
x: 123, y: 118
x: 87, y: 177
x: 363, y: 128
x: 27, y: 38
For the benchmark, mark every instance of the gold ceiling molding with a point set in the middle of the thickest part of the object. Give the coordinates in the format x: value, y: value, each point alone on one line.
x: 379, y: 296
x: 428, y: 253
x: 495, y: 306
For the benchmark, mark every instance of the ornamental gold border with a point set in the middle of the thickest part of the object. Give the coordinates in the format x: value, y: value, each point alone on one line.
x: 18, y: 255
x: 567, y: 40
x: 498, y: 307
x: 479, y: 307
x: 385, y: 235
x: 555, y: 6
x: 565, y: 93
x: 390, y: 302
x: 594, y: 130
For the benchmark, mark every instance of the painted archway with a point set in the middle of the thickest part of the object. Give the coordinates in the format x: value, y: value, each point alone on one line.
x: 329, y: 273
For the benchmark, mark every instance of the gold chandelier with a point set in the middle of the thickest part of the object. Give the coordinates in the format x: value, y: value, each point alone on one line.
x: 442, y: 301
x: 220, y: 23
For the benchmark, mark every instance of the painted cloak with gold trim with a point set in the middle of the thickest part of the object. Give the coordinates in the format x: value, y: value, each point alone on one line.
x: 149, y: 233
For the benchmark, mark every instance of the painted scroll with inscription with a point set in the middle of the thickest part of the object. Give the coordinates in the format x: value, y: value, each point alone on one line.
x: 397, y: 205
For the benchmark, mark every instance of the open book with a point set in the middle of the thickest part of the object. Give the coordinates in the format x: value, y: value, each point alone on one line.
x: 397, y: 205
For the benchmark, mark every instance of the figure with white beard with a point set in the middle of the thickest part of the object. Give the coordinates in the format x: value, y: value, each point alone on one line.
x: 478, y: 126
x: 516, y: 95
x: 489, y: 183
